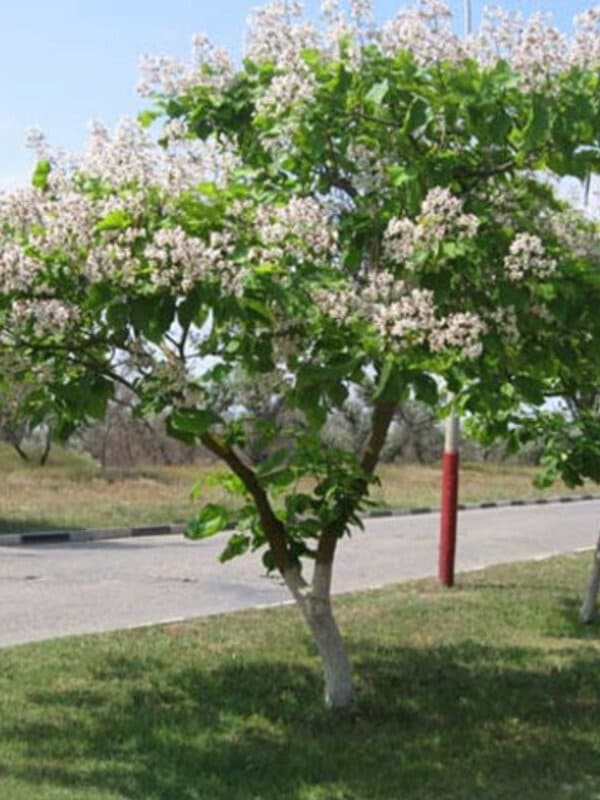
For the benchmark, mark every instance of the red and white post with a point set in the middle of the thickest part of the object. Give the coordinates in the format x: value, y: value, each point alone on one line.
x: 449, y: 502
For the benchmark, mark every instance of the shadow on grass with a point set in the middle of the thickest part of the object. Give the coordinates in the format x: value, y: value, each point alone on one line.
x: 466, y: 722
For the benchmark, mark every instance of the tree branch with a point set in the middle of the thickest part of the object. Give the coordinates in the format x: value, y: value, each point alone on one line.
x: 383, y: 414
x: 273, y: 527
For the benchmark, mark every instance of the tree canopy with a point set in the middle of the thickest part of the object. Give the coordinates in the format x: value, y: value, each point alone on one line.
x: 352, y: 208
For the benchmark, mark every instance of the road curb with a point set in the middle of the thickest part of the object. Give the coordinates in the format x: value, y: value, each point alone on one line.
x: 94, y: 535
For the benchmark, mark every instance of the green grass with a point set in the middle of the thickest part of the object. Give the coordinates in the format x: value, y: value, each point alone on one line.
x: 72, y: 491
x: 487, y: 691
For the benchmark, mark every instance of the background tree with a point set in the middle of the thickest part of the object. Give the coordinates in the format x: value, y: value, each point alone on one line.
x: 354, y: 209
x: 28, y: 414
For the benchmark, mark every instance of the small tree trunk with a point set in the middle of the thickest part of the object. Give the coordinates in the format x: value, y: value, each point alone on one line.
x: 20, y: 451
x: 588, y: 609
x: 47, y: 446
x: 315, y: 604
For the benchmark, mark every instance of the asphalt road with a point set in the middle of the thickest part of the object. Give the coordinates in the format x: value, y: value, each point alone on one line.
x: 47, y: 591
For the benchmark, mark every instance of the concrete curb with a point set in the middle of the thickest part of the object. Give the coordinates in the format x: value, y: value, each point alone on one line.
x: 93, y: 535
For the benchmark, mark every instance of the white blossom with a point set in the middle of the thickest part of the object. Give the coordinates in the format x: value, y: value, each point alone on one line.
x: 47, y: 316
x: 399, y: 240
x: 585, y: 47
x: 338, y: 305
x: 210, y: 66
x: 287, y: 90
x: 527, y: 258
x: 179, y: 261
x: 408, y: 320
x: 425, y: 31
x: 301, y: 227
x: 277, y: 34
x: 462, y: 331
x: 18, y: 269
x: 441, y: 216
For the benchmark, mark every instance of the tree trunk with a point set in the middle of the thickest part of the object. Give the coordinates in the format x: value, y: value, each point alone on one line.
x: 20, y: 451
x: 315, y: 604
x: 47, y: 446
x: 588, y: 608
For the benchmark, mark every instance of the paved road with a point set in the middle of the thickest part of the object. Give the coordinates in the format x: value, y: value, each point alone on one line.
x: 48, y: 591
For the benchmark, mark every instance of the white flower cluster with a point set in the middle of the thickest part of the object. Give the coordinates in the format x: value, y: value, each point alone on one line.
x: 301, y: 227
x: 407, y: 320
x: 179, y: 261
x: 534, y: 48
x: 47, y: 316
x: 130, y: 158
x: 65, y: 223
x: 462, y: 331
x: 18, y: 270
x: 338, y: 304
x: 131, y: 177
x: 287, y: 90
x: 441, y: 216
x: 21, y: 209
x: 353, y: 29
x: 425, y: 31
x: 527, y: 259
x: 585, y: 50
x: 403, y: 316
x: 278, y: 35
x: 210, y: 66
x: 114, y: 261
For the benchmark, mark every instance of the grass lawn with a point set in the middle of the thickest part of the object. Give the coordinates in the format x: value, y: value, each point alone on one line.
x: 73, y: 492
x: 490, y: 691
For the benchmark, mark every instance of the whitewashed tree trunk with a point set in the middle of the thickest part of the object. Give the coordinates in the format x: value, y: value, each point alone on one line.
x: 315, y: 603
x: 588, y: 608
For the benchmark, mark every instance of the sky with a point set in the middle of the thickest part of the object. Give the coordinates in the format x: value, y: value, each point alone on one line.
x: 65, y: 63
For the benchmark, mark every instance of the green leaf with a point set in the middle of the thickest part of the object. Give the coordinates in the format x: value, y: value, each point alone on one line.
x: 401, y: 175
x: 416, y: 116
x: 237, y: 545
x: 271, y: 463
x: 153, y: 316
x: 210, y: 521
x: 115, y: 221
x: 426, y: 389
x: 257, y: 309
x: 538, y: 128
x: 530, y: 389
x: 390, y: 385
x: 189, y: 424
x: 147, y: 117
x: 377, y: 93
x: 41, y: 175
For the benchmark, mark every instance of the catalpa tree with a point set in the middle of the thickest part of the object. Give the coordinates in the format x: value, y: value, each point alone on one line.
x: 353, y: 209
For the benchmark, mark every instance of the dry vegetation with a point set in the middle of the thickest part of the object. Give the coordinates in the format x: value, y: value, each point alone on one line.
x: 72, y: 491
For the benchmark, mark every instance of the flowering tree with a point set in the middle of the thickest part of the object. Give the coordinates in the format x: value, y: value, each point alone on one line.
x: 354, y: 209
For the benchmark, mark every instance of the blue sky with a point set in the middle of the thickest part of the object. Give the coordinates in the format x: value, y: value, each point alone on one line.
x: 66, y: 62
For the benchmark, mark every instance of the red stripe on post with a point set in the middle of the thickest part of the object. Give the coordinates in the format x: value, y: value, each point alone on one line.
x: 448, y: 519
